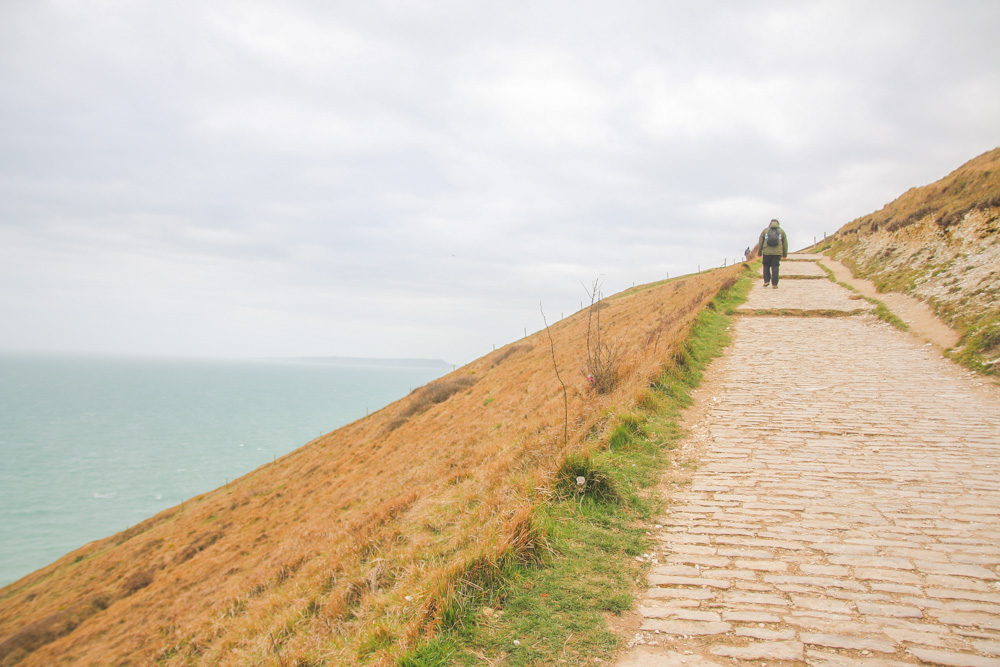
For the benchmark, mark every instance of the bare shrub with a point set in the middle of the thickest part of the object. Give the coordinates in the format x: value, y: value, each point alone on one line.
x: 137, y: 581
x: 37, y: 634
x: 201, y: 543
x: 514, y: 349
x: 441, y: 390
x: 50, y: 628
x: 394, y: 424
x: 602, y: 367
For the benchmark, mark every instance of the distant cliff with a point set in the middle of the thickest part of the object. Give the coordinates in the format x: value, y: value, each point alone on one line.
x: 940, y: 243
x: 374, y: 362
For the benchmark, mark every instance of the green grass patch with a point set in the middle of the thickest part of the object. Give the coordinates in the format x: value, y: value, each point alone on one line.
x: 629, y: 428
x: 979, y: 348
x: 799, y: 312
x: 555, y: 611
x: 883, y: 313
x: 881, y: 310
x: 585, y: 477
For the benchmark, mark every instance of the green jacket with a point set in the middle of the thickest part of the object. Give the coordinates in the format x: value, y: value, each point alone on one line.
x: 780, y: 249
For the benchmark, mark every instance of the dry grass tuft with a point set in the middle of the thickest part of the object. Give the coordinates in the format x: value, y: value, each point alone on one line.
x: 50, y: 628
x: 580, y: 477
x: 200, y: 543
x: 423, y: 398
x: 512, y: 350
x: 137, y: 581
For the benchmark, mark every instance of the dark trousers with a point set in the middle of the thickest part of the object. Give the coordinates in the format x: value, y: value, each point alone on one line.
x: 771, y: 264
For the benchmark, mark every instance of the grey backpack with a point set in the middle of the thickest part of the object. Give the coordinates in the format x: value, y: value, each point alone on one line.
x: 773, y: 237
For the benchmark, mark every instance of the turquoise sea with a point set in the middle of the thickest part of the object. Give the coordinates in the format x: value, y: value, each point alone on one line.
x: 90, y: 446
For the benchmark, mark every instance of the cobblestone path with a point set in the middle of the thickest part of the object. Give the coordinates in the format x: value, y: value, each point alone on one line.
x: 846, y: 505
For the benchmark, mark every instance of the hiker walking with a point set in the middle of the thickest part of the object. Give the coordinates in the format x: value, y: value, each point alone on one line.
x: 772, y: 246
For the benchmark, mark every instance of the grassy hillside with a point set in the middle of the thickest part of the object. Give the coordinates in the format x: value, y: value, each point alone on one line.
x: 363, y: 545
x: 941, y: 244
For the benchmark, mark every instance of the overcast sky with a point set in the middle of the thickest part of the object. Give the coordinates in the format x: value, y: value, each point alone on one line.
x: 411, y: 179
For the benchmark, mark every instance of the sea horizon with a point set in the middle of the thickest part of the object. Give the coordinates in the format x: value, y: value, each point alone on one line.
x: 91, y: 444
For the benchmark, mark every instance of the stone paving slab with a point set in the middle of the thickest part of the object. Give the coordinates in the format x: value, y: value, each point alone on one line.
x: 846, y: 507
x: 804, y: 295
x: 800, y: 269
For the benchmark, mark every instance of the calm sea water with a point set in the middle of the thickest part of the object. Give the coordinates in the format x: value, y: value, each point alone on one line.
x: 91, y: 446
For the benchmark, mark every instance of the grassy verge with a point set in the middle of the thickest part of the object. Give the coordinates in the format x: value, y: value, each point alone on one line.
x: 979, y: 346
x: 597, y: 525
x: 881, y: 310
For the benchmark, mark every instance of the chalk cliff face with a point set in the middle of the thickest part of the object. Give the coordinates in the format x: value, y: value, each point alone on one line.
x: 940, y: 243
x: 350, y: 547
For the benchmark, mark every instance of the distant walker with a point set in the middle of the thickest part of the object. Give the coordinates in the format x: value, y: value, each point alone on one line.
x: 772, y: 246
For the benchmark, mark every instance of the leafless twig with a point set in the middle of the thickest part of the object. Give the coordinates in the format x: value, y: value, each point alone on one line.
x: 552, y: 349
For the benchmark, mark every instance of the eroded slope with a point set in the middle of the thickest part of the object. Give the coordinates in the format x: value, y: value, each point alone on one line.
x: 941, y: 244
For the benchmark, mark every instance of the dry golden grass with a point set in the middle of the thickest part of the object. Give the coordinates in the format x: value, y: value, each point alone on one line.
x: 355, y: 546
x: 974, y: 185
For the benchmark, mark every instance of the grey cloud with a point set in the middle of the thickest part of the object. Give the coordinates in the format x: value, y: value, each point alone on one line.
x: 360, y: 178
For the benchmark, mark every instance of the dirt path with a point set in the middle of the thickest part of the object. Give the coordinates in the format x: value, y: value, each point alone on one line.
x: 918, y: 315
x: 846, y: 505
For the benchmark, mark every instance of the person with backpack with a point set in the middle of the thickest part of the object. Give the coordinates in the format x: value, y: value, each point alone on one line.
x: 772, y: 246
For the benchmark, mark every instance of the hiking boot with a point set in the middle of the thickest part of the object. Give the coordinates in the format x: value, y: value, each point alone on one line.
x: 775, y: 285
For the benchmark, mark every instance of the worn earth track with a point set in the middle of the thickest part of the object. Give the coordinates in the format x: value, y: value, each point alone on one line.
x: 845, y: 507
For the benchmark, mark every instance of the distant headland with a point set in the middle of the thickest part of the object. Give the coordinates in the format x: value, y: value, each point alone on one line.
x: 367, y: 361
